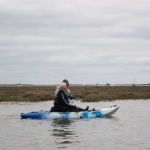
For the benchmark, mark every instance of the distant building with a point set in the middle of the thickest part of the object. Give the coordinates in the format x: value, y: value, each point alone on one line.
x: 107, y: 84
x: 133, y: 84
x: 19, y: 84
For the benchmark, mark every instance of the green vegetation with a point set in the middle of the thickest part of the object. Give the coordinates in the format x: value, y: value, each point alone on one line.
x: 24, y: 94
x: 85, y: 93
x: 110, y: 93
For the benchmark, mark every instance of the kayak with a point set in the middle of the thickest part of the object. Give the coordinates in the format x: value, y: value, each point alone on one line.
x: 103, y: 112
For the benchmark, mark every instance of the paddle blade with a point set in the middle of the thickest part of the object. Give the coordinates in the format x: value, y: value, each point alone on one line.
x: 67, y: 83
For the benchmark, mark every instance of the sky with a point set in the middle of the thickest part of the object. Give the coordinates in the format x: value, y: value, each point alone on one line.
x: 83, y: 41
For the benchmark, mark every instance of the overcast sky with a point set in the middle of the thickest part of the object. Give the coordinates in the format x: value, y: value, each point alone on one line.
x: 84, y: 41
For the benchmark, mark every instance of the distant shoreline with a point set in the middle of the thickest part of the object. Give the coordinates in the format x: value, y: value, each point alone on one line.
x: 87, y: 93
x: 54, y: 85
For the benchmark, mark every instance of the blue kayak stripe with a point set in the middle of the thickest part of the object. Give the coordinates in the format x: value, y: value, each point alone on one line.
x: 97, y: 113
x: 84, y: 115
x: 65, y: 115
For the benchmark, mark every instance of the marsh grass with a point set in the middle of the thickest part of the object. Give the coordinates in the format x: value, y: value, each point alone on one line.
x: 97, y: 93
x: 85, y: 93
x: 20, y: 94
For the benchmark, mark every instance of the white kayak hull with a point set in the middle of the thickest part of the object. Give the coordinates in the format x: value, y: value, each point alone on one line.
x: 83, y: 114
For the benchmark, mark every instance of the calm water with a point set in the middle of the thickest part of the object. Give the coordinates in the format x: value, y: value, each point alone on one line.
x: 129, y: 129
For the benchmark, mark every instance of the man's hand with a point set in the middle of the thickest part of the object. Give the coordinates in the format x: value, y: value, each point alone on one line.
x: 70, y: 97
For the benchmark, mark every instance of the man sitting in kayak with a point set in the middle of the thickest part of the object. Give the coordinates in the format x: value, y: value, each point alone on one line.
x: 61, y: 102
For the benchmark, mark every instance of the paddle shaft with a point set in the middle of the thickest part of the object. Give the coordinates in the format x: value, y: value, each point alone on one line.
x: 67, y: 85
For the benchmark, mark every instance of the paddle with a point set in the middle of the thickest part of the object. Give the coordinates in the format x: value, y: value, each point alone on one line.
x: 67, y: 85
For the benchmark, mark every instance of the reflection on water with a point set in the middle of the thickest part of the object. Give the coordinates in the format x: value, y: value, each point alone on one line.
x: 111, y: 117
x: 63, y: 132
x: 62, y: 122
x: 127, y: 129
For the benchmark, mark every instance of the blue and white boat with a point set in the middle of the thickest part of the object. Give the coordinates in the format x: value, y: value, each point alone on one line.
x: 103, y: 112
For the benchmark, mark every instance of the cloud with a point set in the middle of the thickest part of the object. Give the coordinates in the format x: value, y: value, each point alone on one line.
x: 84, y: 41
